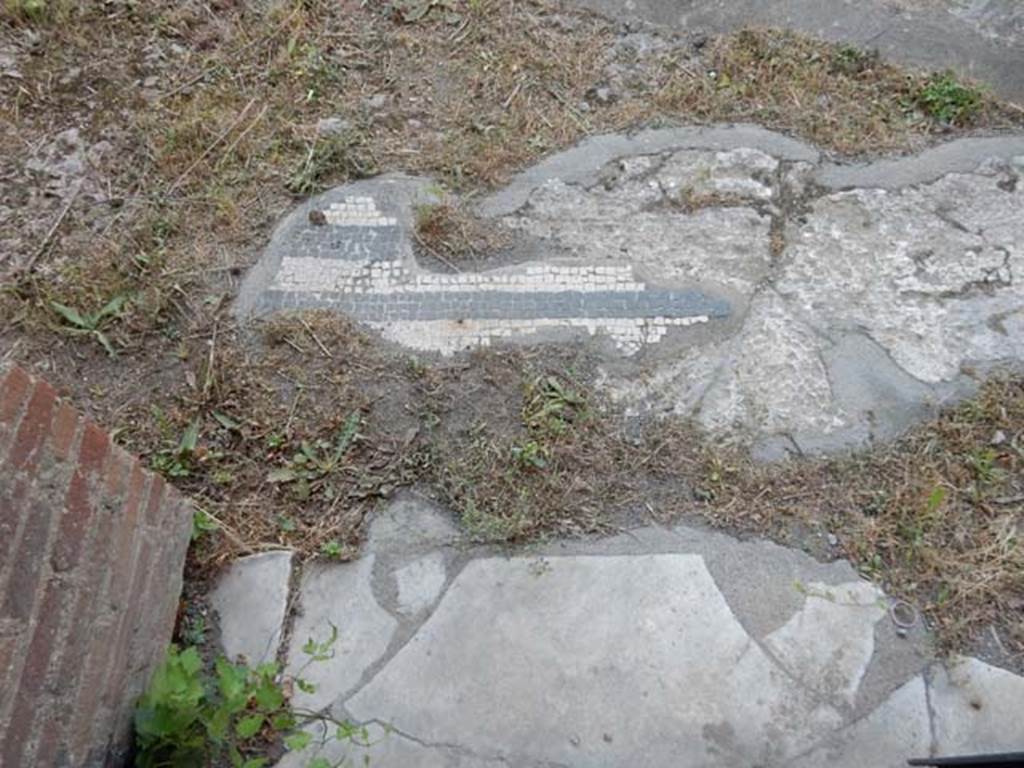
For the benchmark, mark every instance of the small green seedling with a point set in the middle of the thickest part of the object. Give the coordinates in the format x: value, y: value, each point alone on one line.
x: 550, y: 406
x: 92, y: 324
x: 331, y: 549
x: 177, y: 462
x: 948, y: 100
x: 316, y: 461
x: 194, y: 716
x: 202, y: 524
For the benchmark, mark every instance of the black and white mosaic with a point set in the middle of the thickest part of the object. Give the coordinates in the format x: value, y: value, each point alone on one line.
x: 351, y: 257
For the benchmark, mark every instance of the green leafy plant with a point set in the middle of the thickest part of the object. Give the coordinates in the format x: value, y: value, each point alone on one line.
x: 551, y: 406
x: 187, y: 719
x: 331, y: 549
x: 531, y: 454
x: 203, y: 523
x: 945, y: 98
x: 190, y: 717
x: 983, y: 462
x: 92, y: 323
x: 314, y: 463
x: 177, y: 461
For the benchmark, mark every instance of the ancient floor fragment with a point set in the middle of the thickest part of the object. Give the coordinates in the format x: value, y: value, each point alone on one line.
x: 727, y: 274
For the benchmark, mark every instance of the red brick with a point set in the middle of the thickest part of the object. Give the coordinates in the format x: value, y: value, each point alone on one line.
x: 34, y: 672
x: 34, y: 426
x: 78, y: 502
x: 63, y: 431
x: 127, y: 529
x: 117, y: 473
x: 28, y: 562
x: 74, y: 522
x: 89, y: 602
x: 13, y: 499
x: 13, y: 391
x: 10, y: 648
x: 94, y: 448
x: 97, y: 665
x: 49, y: 743
x: 129, y: 627
x: 156, y: 500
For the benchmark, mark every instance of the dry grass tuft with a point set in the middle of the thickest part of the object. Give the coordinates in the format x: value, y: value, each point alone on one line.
x: 455, y: 237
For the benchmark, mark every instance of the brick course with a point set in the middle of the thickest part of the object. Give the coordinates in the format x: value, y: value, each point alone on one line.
x: 83, y: 618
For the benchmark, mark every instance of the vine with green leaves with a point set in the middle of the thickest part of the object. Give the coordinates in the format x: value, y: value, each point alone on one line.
x: 191, y: 715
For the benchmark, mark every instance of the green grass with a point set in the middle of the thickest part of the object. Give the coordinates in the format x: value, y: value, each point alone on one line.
x: 947, y: 99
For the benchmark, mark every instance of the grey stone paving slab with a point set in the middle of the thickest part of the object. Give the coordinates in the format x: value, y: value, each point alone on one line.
x: 339, y: 596
x: 977, y: 708
x: 386, y: 748
x: 539, y: 659
x: 829, y: 643
x: 644, y: 647
x: 983, y: 39
x: 959, y: 156
x: 251, y: 598
x: 899, y: 729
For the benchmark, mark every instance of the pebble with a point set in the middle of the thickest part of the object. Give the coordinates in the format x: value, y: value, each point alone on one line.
x: 332, y: 126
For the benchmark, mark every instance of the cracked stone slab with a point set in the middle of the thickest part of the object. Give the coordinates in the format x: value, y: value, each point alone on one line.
x: 829, y: 643
x: 251, y: 598
x: 340, y: 596
x: 538, y: 659
x: 641, y: 647
x: 899, y: 729
x: 978, y: 708
x: 383, y: 747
